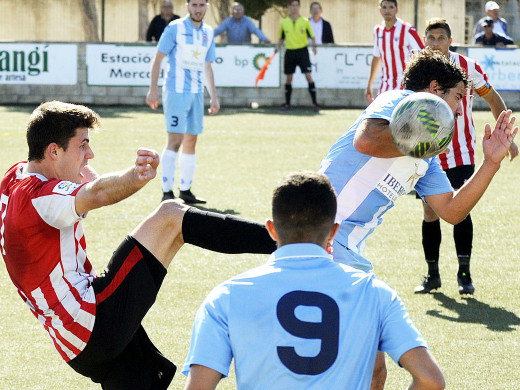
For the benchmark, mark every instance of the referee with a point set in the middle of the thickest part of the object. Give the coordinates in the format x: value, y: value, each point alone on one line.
x: 295, y: 31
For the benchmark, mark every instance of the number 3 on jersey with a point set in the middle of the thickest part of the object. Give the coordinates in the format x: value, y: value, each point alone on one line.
x: 327, y: 331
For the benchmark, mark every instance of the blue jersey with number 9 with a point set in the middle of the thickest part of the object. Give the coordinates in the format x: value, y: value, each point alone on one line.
x: 301, y: 321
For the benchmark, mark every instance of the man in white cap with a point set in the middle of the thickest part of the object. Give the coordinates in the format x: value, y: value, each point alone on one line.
x: 499, y: 24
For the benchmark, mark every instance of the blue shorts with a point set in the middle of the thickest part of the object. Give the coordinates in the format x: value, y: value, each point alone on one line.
x: 184, y: 112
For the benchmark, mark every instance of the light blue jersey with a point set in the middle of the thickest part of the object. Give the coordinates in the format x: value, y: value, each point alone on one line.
x: 301, y: 321
x: 368, y: 186
x: 188, y: 49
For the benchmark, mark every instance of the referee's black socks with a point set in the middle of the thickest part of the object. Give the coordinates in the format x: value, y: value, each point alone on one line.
x: 225, y: 233
x: 312, y: 91
x: 288, y: 93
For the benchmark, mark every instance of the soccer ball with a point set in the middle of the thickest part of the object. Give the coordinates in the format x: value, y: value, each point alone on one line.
x: 422, y: 125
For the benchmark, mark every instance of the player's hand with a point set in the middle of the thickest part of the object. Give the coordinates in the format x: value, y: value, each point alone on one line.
x: 314, y: 50
x: 152, y: 99
x: 146, y: 164
x: 214, y: 106
x: 496, y: 143
x: 513, y: 151
x: 369, y: 94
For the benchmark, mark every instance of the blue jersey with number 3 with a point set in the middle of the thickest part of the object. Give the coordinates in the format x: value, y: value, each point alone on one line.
x: 300, y: 321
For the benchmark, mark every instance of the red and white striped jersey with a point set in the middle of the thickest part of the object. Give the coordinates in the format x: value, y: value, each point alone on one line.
x: 462, y: 147
x: 394, y: 46
x: 44, y: 249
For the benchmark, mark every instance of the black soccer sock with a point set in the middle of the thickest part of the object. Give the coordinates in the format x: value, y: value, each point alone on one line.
x: 288, y: 93
x: 463, y: 237
x: 431, y: 241
x: 225, y: 233
x: 463, y: 265
x: 312, y: 91
x: 431, y: 232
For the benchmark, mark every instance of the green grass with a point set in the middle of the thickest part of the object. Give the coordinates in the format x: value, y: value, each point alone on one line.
x: 241, y: 156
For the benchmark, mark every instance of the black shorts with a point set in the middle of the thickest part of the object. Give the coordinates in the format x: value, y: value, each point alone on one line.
x: 457, y: 176
x: 297, y: 57
x: 119, y: 354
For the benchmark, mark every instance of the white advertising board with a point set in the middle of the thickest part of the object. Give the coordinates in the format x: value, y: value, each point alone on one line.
x: 238, y: 66
x: 127, y: 65
x: 339, y: 68
x: 501, y: 65
x: 121, y: 65
x: 38, y: 63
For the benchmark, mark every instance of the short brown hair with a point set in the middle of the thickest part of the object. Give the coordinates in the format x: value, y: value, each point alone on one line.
x: 304, y: 208
x: 428, y: 65
x: 392, y: 1
x: 56, y: 122
x: 435, y: 23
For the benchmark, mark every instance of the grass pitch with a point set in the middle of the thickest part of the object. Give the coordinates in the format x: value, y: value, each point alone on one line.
x: 241, y: 156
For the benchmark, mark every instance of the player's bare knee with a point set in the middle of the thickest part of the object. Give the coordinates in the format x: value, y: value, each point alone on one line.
x: 429, y: 214
x: 167, y: 217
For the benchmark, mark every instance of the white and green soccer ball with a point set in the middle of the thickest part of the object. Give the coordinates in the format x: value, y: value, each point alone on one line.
x: 422, y: 125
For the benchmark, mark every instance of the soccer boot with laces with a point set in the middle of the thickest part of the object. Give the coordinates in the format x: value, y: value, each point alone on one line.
x: 188, y: 197
x: 465, y: 283
x: 430, y: 282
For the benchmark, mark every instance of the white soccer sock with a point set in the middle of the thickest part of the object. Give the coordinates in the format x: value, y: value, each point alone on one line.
x: 187, y: 170
x: 168, y: 162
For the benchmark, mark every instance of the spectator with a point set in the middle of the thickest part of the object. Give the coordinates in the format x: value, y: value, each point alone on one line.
x: 159, y: 22
x: 239, y: 27
x: 489, y: 37
x: 321, y: 28
x: 311, y: 301
x: 500, y: 26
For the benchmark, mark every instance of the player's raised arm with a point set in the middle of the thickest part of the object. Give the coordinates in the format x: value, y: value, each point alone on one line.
x: 454, y: 207
x: 114, y: 187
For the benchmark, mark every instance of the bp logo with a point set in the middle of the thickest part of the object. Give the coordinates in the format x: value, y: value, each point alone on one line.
x: 259, y: 60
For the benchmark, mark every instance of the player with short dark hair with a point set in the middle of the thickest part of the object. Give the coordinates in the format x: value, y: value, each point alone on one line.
x: 394, y: 41
x: 458, y: 162
x: 294, y: 31
x: 299, y: 300
x: 93, y: 321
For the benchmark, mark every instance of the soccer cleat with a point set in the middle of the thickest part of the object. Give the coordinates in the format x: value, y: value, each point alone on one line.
x: 429, y: 283
x: 167, y: 196
x: 285, y: 107
x: 316, y: 108
x: 188, y: 197
x: 465, y: 285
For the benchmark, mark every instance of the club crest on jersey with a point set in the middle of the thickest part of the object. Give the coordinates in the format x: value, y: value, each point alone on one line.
x: 204, y: 38
x: 65, y: 187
